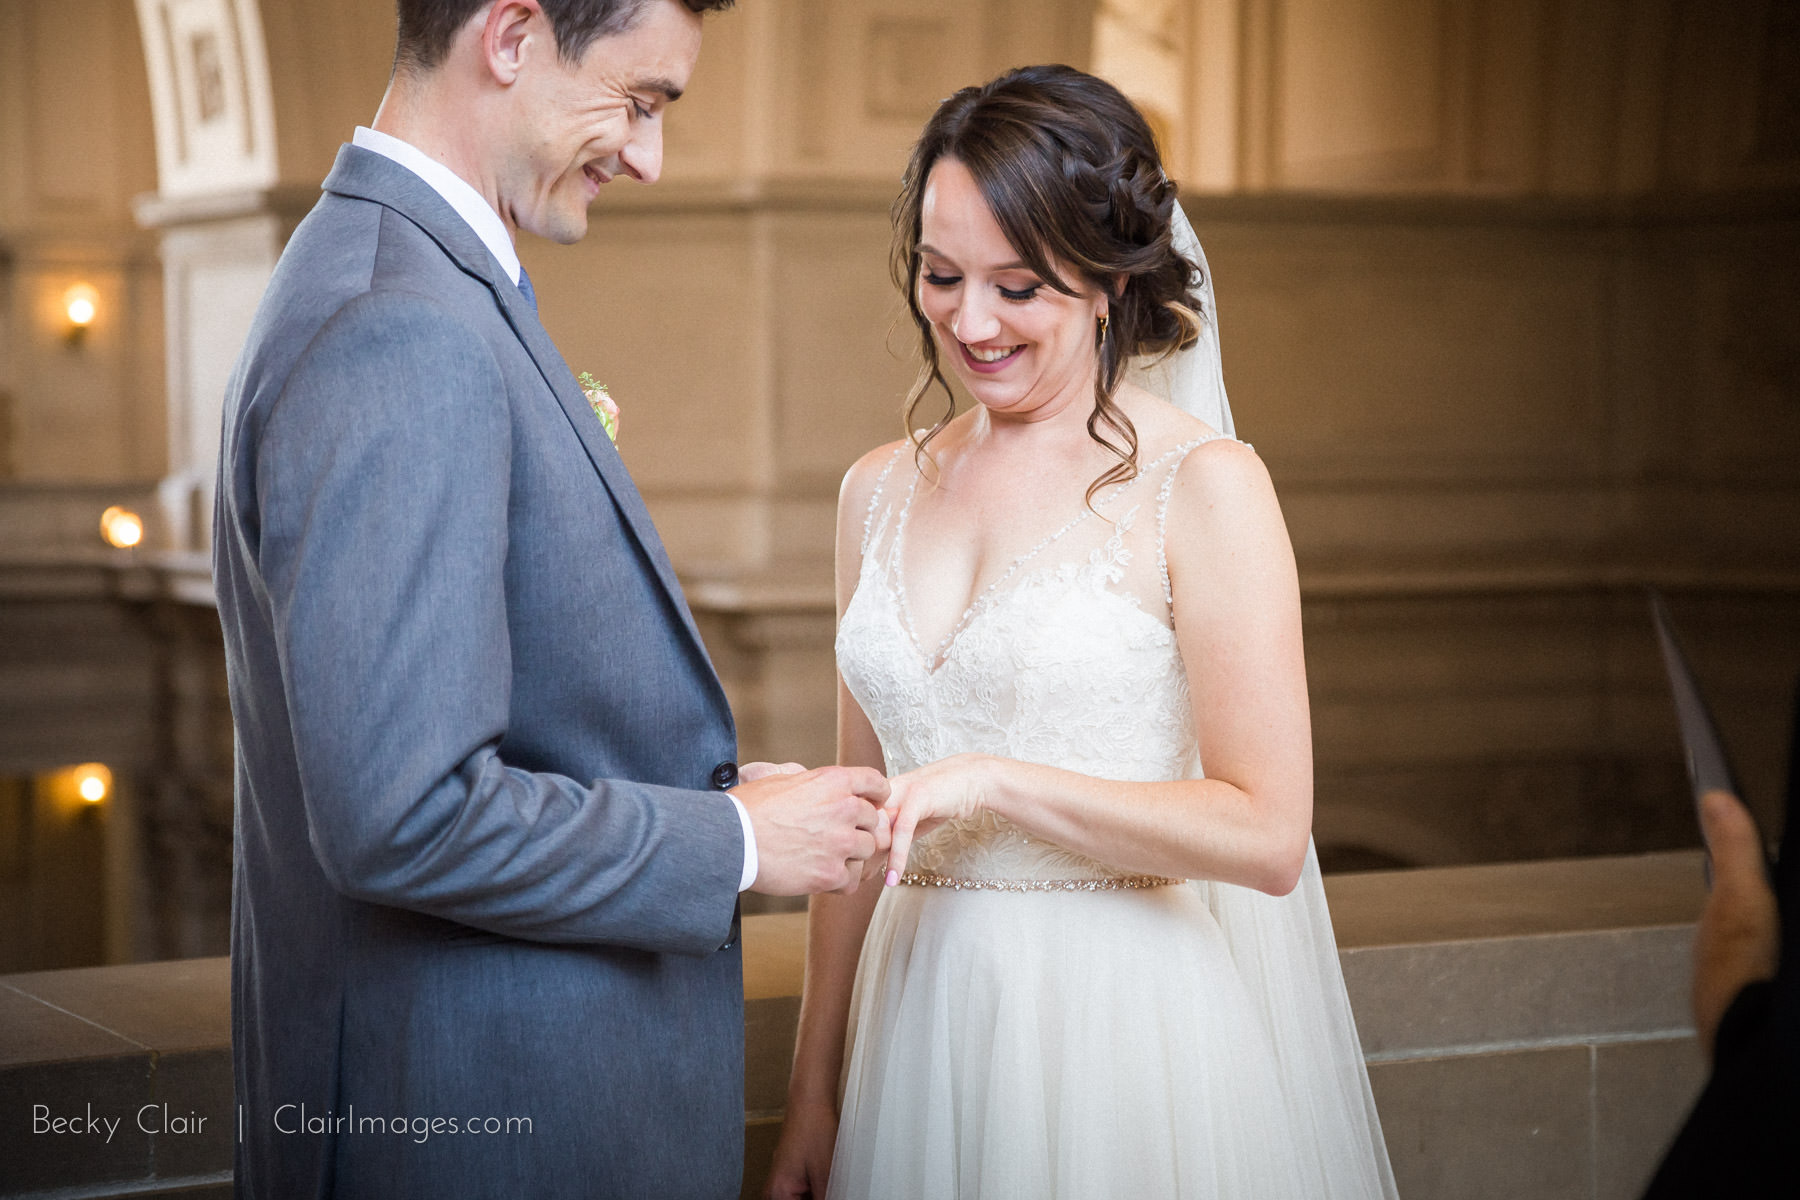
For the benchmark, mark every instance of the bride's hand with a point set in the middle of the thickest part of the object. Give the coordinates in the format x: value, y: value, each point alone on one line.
x: 950, y: 789
x: 802, y: 1164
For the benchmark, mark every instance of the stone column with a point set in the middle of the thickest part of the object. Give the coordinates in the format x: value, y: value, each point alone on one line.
x: 221, y: 227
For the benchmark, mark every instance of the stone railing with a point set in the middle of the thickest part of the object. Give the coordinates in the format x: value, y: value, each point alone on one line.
x: 1526, y: 1027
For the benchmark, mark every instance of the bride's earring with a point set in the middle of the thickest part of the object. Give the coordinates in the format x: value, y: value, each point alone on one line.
x: 1103, y: 320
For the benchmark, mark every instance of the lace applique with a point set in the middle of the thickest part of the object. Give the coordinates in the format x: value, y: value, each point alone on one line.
x: 1053, y: 663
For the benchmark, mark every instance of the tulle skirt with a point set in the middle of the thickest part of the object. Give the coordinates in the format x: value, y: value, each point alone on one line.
x: 1085, y: 1045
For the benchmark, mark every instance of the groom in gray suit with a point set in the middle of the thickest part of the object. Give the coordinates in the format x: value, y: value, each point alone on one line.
x: 490, y: 831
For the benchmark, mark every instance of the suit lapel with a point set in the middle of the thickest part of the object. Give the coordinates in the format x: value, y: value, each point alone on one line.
x: 370, y: 176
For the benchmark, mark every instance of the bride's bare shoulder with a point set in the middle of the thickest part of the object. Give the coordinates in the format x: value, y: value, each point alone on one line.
x: 865, y: 474
x: 1160, y: 425
x: 1223, y: 481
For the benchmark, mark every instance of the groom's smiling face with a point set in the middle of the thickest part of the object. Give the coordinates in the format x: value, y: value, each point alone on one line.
x: 583, y: 123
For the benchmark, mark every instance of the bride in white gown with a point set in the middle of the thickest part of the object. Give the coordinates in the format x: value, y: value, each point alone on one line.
x: 1097, y: 970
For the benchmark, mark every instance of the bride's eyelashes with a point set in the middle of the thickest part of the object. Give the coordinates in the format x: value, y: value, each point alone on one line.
x: 1016, y: 294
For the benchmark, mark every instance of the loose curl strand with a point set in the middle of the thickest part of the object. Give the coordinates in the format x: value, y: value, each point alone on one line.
x: 1070, y: 170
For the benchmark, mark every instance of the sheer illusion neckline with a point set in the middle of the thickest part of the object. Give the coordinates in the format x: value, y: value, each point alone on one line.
x: 935, y: 660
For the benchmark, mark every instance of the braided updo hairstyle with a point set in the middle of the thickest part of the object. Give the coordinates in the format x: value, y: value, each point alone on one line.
x: 1070, y: 170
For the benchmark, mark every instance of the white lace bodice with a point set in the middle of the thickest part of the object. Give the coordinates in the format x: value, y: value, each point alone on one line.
x: 1067, y: 659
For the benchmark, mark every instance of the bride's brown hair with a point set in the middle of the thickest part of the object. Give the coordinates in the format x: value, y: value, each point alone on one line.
x: 1070, y: 170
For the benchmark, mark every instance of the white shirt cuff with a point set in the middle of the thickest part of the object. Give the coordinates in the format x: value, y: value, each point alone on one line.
x: 749, y: 875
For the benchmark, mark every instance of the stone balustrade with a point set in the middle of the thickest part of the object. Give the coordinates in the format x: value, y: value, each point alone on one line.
x: 1526, y: 1027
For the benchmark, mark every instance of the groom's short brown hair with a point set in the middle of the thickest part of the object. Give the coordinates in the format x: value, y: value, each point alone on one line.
x: 427, y: 27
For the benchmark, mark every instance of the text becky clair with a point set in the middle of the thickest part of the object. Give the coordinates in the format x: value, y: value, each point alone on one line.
x: 151, y: 1118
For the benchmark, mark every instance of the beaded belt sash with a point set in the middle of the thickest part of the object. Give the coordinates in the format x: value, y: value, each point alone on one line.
x: 1109, y: 883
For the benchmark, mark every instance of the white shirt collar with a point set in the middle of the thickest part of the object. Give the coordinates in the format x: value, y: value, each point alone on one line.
x: 468, y: 203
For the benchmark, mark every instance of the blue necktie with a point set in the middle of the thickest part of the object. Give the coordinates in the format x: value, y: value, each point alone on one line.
x: 525, y: 289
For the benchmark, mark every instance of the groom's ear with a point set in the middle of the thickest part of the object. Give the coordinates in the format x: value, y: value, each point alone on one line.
x: 513, y: 32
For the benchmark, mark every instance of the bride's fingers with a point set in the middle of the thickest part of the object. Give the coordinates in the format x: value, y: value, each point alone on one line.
x: 906, y: 823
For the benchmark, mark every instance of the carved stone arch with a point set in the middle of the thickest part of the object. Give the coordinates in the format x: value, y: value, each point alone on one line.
x: 210, y: 95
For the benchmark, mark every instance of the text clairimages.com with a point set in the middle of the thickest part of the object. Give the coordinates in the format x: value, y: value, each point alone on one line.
x: 286, y: 1119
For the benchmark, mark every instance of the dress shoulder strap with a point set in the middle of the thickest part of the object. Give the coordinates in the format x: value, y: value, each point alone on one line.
x: 875, y: 497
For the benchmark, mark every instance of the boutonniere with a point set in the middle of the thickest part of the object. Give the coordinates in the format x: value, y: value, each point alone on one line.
x: 602, y: 403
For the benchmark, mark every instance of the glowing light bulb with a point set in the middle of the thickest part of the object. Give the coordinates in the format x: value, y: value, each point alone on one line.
x: 121, y: 527
x: 93, y: 782
x: 81, y: 304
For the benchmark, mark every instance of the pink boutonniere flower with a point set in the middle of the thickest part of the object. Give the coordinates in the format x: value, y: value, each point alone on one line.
x: 602, y: 403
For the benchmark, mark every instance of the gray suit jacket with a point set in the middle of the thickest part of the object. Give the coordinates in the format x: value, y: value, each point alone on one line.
x: 482, y: 867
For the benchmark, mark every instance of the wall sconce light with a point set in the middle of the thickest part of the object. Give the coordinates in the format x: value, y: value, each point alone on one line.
x: 81, y: 304
x: 121, y: 527
x: 93, y: 782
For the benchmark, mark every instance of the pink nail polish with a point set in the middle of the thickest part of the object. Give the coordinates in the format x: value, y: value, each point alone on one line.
x: 893, y: 878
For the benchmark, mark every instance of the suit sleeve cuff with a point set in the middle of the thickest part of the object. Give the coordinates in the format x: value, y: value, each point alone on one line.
x: 750, y: 863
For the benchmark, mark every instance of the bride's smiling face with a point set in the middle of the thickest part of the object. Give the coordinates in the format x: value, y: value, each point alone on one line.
x: 1021, y: 348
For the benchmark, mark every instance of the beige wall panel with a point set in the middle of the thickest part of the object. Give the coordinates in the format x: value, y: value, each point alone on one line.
x: 1731, y: 109
x: 1418, y: 354
x: 69, y: 421
x: 14, y: 97
x: 1210, y: 158
x: 1427, y: 730
x: 1651, y: 356
x: 96, y: 412
x: 843, y: 347
x: 803, y: 533
x: 1775, y: 114
x: 77, y: 147
x: 328, y: 66
x: 711, y: 535
x: 144, y: 386
x: 1745, y: 345
x: 1644, y: 95
x: 1362, y: 92
x: 1506, y: 96
x: 858, y: 78
x: 713, y: 133
x: 1752, y: 532
x: 1587, y: 44
x: 666, y: 312
x: 74, y: 141
x: 1021, y: 32
x: 1373, y: 530
x: 1487, y: 645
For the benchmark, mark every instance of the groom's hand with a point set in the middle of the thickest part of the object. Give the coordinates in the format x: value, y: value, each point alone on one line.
x: 750, y: 772
x: 815, y: 829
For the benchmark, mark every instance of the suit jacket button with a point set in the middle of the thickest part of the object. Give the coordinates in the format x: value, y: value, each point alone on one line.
x: 725, y: 776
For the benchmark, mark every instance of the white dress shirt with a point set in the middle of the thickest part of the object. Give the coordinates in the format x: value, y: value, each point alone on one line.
x: 480, y: 216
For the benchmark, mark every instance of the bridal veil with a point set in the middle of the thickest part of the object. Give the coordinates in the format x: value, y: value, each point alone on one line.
x: 1283, y: 945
